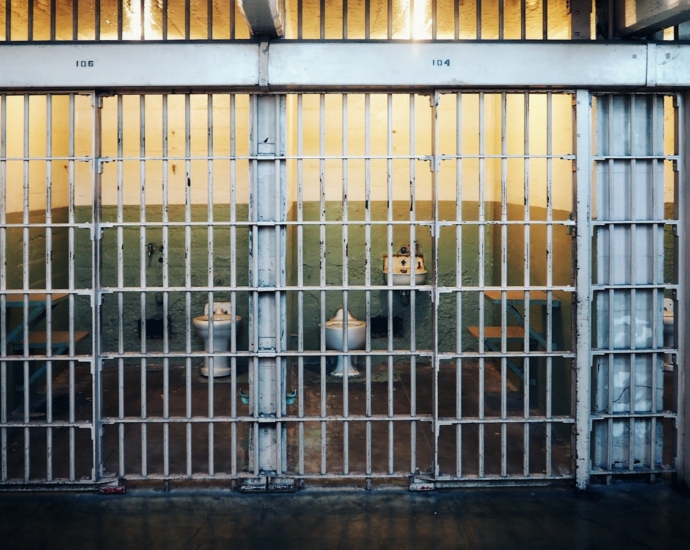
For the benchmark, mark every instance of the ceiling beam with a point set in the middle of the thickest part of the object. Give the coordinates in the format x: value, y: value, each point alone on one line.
x: 645, y: 17
x: 265, y: 18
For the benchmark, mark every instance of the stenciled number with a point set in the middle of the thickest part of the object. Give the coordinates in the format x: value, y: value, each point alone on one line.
x: 440, y: 62
x: 84, y: 63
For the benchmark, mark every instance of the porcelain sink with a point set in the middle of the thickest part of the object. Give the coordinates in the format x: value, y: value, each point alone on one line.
x: 403, y: 267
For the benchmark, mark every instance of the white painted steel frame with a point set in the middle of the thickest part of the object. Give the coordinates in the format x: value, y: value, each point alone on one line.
x: 629, y: 223
x: 40, y: 302
x: 294, y: 65
x: 582, y: 224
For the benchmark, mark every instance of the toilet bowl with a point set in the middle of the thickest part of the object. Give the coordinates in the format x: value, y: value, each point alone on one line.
x: 669, y: 340
x: 222, y: 330
x: 356, y: 338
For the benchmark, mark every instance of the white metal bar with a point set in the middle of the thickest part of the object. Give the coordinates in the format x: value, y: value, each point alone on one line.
x: 300, y: 281
x: 367, y: 274
x: 458, y: 269
x: 96, y: 322
x: 549, y: 283
x: 504, y: 276
x: 48, y: 285
x: 583, y: 251
x: 71, y: 281
x: 166, y: 282
x: 389, y: 235
x: 120, y: 284
x: 413, y: 293
x: 210, y: 259
x: 25, y: 278
x: 481, y: 280
x: 683, y: 365
x: 3, y: 287
x: 233, y: 266
x: 143, y: 282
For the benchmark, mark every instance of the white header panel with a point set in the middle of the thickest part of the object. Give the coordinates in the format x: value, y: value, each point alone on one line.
x: 323, y: 65
x: 458, y: 64
x: 126, y: 65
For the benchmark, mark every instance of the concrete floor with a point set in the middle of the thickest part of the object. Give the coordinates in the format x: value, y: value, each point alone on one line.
x: 623, y: 515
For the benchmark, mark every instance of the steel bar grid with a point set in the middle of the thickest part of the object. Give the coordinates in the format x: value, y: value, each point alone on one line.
x: 636, y: 403
x: 273, y: 212
x: 194, y: 20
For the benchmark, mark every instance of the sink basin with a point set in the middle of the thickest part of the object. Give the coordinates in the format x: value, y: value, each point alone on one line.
x: 403, y: 266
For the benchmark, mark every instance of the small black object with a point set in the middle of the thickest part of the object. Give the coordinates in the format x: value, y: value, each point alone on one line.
x: 403, y: 250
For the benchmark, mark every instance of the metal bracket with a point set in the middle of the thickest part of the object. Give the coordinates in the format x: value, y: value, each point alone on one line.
x: 263, y: 65
x: 265, y: 484
x: 112, y: 487
x: 421, y: 485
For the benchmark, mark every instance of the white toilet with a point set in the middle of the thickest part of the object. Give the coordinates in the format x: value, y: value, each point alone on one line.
x: 222, y: 330
x: 356, y: 338
x: 669, y: 340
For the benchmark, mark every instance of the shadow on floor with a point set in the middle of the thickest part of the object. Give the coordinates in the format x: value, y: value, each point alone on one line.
x: 624, y: 515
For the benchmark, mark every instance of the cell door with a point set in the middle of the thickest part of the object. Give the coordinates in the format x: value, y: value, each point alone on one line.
x: 49, y: 395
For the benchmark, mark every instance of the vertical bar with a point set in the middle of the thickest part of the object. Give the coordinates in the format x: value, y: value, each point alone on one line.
x: 210, y: 258
x: 187, y: 22
x: 49, y: 286
x: 25, y: 279
x: 367, y: 19
x: 209, y: 19
x: 527, y: 376
x: 8, y: 21
x: 367, y: 273
x: 120, y: 286
x: 481, y: 279
x: 164, y: 16
x: 3, y: 285
x: 436, y: 296
x: 389, y: 228
x: 300, y: 278
x: 479, y: 20
x: 346, y: 283
x: 322, y: 19
x: 71, y: 283
x: 188, y: 302
x: 434, y: 19
x: 53, y: 18
x: 142, y: 20
x: 30, y: 20
x: 142, y: 279
x: 683, y: 305
x: 120, y: 21
x: 233, y: 275
x: 166, y: 284
x: 97, y: 20
x: 413, y: 297
x: 231, y: 23
x: 583, y: 251
x: 504, y: 275
x: 322, y: 271
x: 97, y: 390
x: 549, y: 284
x: 458, y: 278
x: 75, y: 20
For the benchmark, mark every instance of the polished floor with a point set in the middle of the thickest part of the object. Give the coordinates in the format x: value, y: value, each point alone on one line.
x: 623, y: 515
